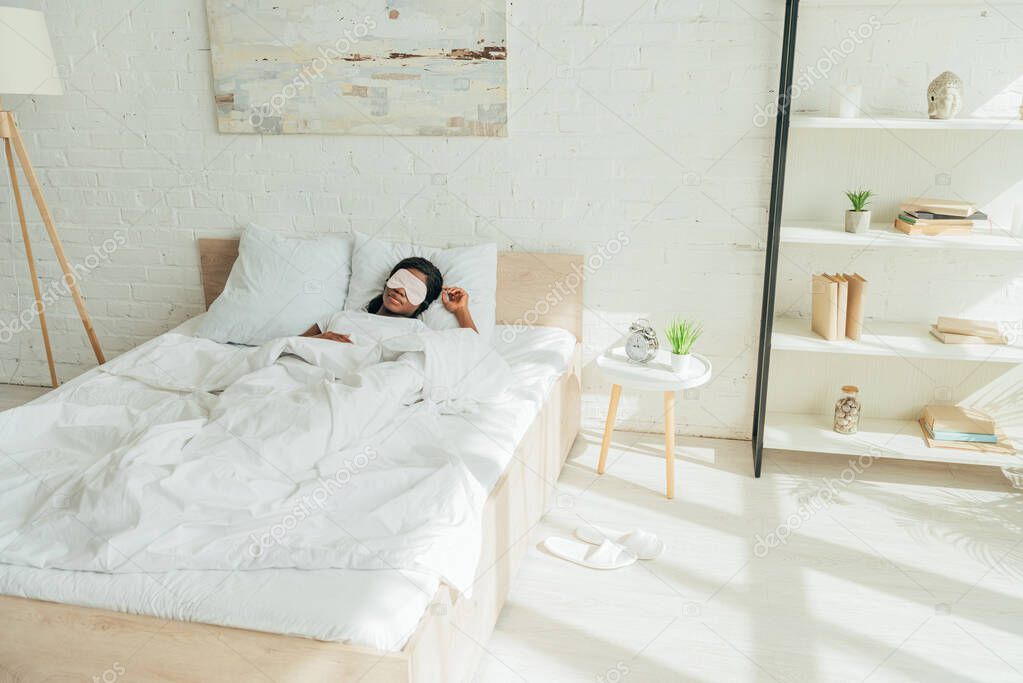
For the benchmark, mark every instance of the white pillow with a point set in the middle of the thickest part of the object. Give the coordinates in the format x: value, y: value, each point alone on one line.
x: 472, y: 268
x: 279, y: 287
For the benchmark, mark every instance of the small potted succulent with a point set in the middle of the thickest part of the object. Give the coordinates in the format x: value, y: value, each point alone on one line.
x: 857, y: 219
x: 682, y: 334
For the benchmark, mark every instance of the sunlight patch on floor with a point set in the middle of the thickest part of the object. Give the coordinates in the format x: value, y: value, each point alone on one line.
x: 906, y: 572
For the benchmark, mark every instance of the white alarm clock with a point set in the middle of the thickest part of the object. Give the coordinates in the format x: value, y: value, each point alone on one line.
x: 641, y: 345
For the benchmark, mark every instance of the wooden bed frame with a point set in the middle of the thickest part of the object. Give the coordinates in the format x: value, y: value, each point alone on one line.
x: 51, y: 641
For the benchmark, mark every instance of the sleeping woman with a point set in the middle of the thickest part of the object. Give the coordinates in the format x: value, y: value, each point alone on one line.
x: 413, y: 285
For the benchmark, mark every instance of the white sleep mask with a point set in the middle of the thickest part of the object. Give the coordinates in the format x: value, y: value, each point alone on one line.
x: 415, y: 289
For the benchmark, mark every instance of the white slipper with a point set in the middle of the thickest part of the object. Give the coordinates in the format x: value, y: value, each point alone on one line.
x: 643, y: 544
x: 607, y: 555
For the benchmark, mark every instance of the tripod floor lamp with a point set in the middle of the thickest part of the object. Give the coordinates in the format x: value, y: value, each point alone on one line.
x: 27, y: 67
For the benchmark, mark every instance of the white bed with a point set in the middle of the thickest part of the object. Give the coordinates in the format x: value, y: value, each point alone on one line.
x: 333, y: 624
x: 379, y: 608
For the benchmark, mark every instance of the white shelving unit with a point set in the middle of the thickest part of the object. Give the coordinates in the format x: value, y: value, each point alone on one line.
x: 890, y: 438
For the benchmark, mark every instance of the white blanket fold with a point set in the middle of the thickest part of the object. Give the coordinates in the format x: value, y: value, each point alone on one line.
x: 301, y: 453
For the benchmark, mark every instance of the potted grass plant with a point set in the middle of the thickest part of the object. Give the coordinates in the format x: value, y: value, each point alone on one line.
x: 682, y: 334
x: 857, y: 219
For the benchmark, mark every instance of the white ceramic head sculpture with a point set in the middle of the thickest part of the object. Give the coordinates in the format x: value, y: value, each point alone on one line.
x: 945, y: 96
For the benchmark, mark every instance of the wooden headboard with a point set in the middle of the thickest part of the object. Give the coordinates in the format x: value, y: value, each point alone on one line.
x: 532, y: 288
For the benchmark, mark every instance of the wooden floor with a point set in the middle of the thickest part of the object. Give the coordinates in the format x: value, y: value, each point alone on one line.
x: 911, y: 572
x: 901, y: 571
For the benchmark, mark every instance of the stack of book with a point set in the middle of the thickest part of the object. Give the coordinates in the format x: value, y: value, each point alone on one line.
x: 837, y: 306
x: 961, y: 428
x: 966, y: 331
x: 939, y: 217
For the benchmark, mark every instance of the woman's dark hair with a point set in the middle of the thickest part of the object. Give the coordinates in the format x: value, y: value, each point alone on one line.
x: 434, y: 283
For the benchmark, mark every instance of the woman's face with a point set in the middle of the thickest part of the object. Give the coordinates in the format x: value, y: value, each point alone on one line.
x: 395, y: 300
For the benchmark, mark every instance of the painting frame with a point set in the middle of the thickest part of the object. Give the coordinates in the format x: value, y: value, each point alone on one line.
x: 397, y: 67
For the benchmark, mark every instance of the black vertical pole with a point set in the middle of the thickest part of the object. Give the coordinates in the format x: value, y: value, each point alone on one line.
x: 781, y: 142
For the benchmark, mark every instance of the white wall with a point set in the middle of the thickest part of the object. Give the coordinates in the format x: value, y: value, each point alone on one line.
x: 632, y: 115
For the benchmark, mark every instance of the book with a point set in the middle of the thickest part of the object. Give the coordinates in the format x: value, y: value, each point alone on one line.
x: 1000, y: 447
x: 977, y: 216
x: 907, y: 217
x: 989, y: 329
x: 854, y: 309
x: 953, y: 338
x: 947, y: 207
x: 824, y: 308
x: 947, y: 418
x: 843, y: 304
x: 961, y: 436
x: 932, y: 230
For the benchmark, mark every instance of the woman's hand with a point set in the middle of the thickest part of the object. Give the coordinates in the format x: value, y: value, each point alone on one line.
x: 334, y: 336
x: 455, y: 299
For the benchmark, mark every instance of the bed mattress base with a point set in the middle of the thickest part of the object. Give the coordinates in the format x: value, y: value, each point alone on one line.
x: 45, y: 641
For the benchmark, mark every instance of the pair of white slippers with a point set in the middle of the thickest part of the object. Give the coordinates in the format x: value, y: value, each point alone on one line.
x: 606, y: 548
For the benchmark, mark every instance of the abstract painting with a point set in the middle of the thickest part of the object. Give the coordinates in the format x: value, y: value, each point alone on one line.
x: 394, y: 67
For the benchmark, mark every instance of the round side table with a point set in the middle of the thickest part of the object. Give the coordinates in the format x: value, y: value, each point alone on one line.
x: 655, y: 375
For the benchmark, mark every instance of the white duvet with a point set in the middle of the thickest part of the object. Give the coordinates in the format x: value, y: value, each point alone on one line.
x: 301, y: 453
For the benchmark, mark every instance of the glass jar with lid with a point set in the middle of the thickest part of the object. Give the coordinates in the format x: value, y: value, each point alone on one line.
x: 847, y: 410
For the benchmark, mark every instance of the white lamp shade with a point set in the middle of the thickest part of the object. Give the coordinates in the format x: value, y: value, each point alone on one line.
x: 27, y: 66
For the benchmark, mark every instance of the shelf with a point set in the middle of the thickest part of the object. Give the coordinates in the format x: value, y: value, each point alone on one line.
x: 886, y: 236
x: 903, y: 123
x: 887, y: 4
x: 900, y: 439
x: 903, y: 340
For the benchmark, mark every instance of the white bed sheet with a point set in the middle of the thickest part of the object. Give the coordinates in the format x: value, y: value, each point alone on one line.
x: 379, y: 608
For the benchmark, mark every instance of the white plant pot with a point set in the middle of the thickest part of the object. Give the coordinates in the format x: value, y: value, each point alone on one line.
x: 857, y: 221
x: 682, y: 364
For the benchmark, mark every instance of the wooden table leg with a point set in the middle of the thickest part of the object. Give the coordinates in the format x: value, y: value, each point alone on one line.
x: 609, y: 425
x: 669, y: 443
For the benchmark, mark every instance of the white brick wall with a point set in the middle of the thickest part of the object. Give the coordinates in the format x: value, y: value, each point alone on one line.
x: 626, y: 115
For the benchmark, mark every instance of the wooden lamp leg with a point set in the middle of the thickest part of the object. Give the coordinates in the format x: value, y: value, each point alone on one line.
x: 609, y: 425
x: 51, y: 231
x: 31, y: 260
x: 669, y: 443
